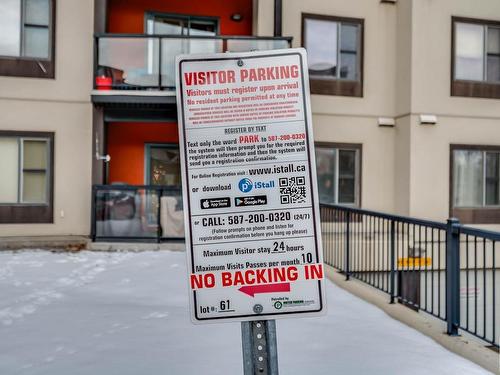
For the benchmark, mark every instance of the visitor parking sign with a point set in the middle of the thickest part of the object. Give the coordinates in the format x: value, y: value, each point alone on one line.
x: 249, y: 184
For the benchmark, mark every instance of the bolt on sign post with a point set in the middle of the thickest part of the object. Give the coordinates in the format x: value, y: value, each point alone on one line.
x: 252, y: 222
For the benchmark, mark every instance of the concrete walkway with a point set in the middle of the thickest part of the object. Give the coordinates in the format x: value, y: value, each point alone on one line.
x: 126, y: 313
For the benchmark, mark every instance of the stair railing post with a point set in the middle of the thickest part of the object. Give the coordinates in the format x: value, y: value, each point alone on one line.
x: 452, y: 276
x: 393, y: 260
x: 347, y: 245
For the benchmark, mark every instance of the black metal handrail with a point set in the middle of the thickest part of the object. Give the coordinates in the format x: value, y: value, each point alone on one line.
x: 174, y: 36
x: 445, y: 269
x: 382, y: 215
x: 488, y: 234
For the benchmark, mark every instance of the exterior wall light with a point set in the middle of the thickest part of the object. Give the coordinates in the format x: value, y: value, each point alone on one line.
x: 428, y: 119
x: 236, y: 17
x: 386, y: 121
x: 98, y: 156
x: 105, y: 158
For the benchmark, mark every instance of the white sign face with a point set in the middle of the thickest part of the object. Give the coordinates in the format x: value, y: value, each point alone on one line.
x: 253, y: 235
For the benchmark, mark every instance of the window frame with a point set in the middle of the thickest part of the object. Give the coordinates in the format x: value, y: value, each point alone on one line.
x: 33, y: 67
x: 472, y: 215
x: 31, y: 213
x: 22, y: 169
x: 338, y: 87
x: 147, y: 160
x: 469, y: 88
x: 358, y: 180
x: 150, y: 14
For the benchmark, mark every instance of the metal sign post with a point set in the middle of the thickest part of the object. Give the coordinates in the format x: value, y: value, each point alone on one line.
x: 260, y: 349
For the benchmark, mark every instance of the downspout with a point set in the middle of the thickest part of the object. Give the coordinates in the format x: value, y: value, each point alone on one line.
x: 278, y: 15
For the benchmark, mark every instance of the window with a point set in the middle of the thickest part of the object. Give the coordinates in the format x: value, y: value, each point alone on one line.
x: 476, y: 183
x: 182, y: 25
x: 27, y: 38
x: 26, y: 162
x: 163, y: 165
x: 334, y: 49
x: 476, y: 52
x: 338, y: 173
x: 177, y: 24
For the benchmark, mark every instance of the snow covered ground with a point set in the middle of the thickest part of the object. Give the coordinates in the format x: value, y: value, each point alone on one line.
x: 127, y: 313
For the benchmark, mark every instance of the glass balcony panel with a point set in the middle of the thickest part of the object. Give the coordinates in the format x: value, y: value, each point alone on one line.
x: 129, y: 62
x: 172, y: 47
x: 135, y: 62
x: 126, y: 213
x: 246, y: 45
x: 171, y: 214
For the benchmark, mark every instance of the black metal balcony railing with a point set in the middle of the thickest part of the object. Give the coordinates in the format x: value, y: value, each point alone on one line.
x: 147, y: 62
x: 137, y: 213
x: 445, y: 269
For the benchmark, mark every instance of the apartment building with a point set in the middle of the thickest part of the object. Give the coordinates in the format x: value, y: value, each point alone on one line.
x: 405, y: 98
x: 46, y: 76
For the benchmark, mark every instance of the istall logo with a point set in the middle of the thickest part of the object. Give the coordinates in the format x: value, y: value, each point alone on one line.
x: 246, y: 185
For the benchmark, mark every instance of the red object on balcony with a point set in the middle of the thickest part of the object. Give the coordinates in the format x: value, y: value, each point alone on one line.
x: 103, y: 83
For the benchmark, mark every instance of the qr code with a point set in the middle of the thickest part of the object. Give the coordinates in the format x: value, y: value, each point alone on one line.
x: 292, y: 189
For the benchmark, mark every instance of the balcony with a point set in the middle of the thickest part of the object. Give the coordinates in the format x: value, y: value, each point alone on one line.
x: 146, y: 63
x: 130, y: 213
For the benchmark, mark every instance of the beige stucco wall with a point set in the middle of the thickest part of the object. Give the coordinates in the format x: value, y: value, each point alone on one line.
x: 354, y: 120
x: 61, y: 105
x: 379, y: 57
x: 402, y: 165
x: 431, y: 25
x: 430, y: 159
x: 263, y: 22
x: 377, y: 168
x: 472, y: 121
x: 72, y: 125
x: 407, y: 59
x: 74, y: 51
x: 403, y: 57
